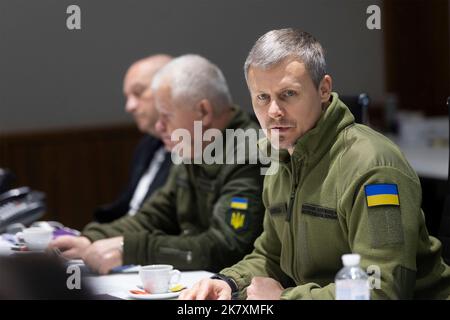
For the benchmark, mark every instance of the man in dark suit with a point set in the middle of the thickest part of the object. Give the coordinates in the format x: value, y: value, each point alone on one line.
x: 151, y: 162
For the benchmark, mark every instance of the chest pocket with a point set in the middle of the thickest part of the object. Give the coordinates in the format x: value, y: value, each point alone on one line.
x: 206, y: 185
x: 206, y: 197
x: 320, y: 241
x: 182, y: 182
x: 186, y: 207
x: 278, y: 213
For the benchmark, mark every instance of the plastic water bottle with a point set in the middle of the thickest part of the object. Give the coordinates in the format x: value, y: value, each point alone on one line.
x: 352, y: 283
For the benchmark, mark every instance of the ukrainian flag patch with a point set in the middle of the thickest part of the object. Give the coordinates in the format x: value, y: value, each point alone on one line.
x: 239, y: 203
x: 381, y: 195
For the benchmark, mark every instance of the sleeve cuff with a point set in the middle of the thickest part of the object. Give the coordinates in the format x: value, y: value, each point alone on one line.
x: 228, y: 280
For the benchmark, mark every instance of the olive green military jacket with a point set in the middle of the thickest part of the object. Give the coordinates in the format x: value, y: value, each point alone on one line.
x: 205, y: 216
x: 319, y: 207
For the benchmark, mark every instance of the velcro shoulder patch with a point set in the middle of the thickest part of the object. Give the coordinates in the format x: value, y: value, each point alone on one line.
x: 383, y: 194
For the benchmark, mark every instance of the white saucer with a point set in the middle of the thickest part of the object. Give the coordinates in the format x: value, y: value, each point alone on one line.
x: 154, y: 296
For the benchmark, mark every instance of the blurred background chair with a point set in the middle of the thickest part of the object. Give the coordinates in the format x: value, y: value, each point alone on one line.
x: 6, y: 179
x: 358, y: 105
x: 444, y: 229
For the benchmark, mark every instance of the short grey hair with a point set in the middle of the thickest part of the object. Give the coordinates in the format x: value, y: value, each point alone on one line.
x: 277, y: 45
x: 192, y: 78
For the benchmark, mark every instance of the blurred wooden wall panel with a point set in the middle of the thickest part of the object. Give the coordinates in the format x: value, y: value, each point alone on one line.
x: 78, y: 169
x: 416, y: 34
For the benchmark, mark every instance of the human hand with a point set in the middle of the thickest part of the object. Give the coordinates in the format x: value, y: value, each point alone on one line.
x: 104, y: 255
x: 207, y: 289
x: 264, y: 288
x: 71, y: 247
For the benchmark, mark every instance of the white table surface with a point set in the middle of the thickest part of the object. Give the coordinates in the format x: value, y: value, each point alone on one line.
x: 428, y: 162
x: 118, y: 285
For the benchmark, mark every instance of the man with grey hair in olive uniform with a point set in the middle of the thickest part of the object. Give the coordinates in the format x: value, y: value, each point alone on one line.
x: 341, y: 188
x: 207, y: 215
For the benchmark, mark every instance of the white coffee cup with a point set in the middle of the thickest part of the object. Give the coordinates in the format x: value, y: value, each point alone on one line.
x: 157, y: 278
x: 36, y: 238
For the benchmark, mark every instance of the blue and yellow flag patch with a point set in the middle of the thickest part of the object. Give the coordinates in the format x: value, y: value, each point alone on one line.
x: 382, y: 195
x: 239, y: 203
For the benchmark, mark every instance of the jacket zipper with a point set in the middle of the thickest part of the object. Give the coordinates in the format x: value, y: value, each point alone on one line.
x: 297, y: 179
x: 293, y: 190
